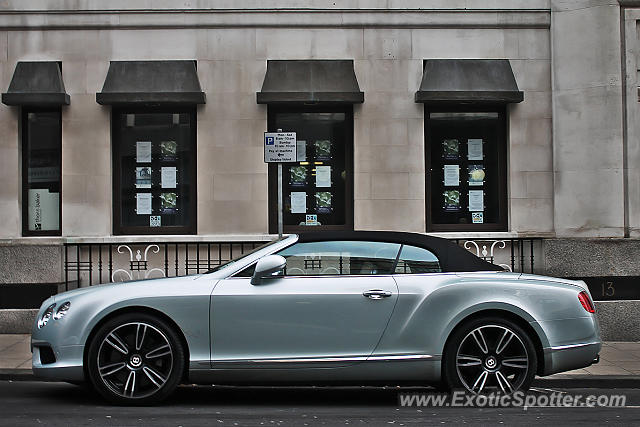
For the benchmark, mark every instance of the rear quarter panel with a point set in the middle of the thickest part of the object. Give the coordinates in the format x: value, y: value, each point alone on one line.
x: 430, y: 306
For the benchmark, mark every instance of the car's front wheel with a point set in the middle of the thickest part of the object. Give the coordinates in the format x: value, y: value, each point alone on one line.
x: 490, y: 355
x: 135, y: 359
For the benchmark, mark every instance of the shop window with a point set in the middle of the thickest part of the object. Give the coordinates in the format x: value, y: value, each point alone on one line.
x: 41, y: 175
x: 318, y: 188
x: 466, y: 164
x: 154, y: 169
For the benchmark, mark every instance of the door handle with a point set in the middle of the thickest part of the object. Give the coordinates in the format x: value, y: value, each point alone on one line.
x: 376, y: 294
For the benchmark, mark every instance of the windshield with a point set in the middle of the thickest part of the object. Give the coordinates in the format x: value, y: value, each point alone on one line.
x: 254, y: 250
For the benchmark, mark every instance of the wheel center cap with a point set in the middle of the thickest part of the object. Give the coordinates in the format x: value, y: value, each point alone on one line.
x: 136, y: 361
x: 491, y: 362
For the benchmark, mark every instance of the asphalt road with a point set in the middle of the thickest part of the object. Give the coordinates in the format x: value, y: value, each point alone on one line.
x: 31, y: 403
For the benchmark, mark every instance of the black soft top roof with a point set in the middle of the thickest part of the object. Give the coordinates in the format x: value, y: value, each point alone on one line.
x: 452, y: 257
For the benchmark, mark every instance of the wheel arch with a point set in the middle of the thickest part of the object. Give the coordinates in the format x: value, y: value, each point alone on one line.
x: 137, y: 309
x: 506, y: 314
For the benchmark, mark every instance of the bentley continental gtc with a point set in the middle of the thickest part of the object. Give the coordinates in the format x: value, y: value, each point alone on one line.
x: 320, y: 309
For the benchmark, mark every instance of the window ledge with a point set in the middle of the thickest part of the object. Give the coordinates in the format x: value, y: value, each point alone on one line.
x: 491, y: 235
x: 204, y: 238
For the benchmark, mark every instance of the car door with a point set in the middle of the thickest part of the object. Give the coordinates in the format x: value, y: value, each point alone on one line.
x: 330, y: 306
x: 418, y: 273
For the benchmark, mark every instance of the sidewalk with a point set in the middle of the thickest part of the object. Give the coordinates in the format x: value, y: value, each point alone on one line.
x: 619, y: 365
x: 15, y: 355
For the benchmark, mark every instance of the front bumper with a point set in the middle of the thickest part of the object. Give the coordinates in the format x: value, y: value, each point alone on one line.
x: 67, y: 364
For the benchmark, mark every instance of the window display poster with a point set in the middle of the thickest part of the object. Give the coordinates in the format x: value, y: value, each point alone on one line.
x: 143, y: 152
x: 44, y: 210
x: 301, y: 150
x: 476, y: 174
x: 143, y: 203
x: 311, y: 219
x: 298, y: 202
x: 450, y: 149
x: 323, y: 149
x: 323, y: 176
x: 474, y: 149
x: 476, y: 200
x: 155, y: 221
x: 168, y: 176
x: 143, y: 177
x: 323, y: 202
x: 168, y: 151
x: 298, y: 176
x: 451, y: 175
x: 477, y: 217
x: 452, y: 200
x: 168, y: 203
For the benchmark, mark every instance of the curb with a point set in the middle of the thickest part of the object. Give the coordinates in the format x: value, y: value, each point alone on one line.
x: 18, y: 375
x: 566, y: 381
x: 589, y: 381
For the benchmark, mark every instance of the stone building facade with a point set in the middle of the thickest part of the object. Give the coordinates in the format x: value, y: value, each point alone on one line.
x: 567, y: 173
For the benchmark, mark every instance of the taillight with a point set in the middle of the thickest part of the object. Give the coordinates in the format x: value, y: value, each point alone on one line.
x: 586, y: 302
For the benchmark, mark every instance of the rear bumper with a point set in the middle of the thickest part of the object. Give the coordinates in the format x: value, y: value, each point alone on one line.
x: 568, y: 343
x: 569, y: 357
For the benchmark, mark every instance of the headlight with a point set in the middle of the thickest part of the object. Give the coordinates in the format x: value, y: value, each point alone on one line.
x: 46, y: 316
x: 62, y: 310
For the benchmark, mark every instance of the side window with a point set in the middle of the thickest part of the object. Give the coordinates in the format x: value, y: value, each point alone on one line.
x: 415, y: 260
x: 340, y: 258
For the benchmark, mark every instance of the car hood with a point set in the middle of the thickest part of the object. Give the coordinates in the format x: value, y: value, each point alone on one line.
x: 110, y: 286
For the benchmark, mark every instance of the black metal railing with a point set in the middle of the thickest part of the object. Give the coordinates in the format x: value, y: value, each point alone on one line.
x: 517, y: 254
x: 87, y: 264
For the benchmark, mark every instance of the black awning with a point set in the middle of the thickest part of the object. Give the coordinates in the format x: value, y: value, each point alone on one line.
x: 36, y: 84
x: 469, y: 81
x: 310, y: 81
x: 151, y: 82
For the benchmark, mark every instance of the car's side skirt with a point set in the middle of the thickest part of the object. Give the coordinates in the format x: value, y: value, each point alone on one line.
x: 332, y: 359
x: 389, y: 369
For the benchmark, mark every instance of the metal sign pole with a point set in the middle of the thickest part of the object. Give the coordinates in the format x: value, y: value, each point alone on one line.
x: 280, y: 207
x: 280, y: 202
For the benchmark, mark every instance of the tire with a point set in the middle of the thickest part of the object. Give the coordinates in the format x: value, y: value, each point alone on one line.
x: 490, y: 354
x: 135, y: 359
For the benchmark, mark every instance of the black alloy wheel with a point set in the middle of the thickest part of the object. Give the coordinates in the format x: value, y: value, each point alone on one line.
x: 135, y: 359
x: 490, y: 355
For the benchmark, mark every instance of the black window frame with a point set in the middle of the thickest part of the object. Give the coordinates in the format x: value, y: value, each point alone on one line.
x: 502, y: 223
x: 118, y: 228
x: 24, y: 136
x: 272, y: 110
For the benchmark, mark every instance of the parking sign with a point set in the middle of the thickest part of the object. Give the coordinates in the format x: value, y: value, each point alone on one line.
x: 279, y: 147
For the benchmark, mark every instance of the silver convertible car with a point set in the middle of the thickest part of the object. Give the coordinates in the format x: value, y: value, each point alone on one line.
x: 321, y: 308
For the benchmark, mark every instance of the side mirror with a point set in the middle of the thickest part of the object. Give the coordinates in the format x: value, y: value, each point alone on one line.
x: 266, y: 266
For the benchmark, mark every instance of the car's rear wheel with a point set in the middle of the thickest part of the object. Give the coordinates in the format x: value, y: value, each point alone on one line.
x: 490, y: 355
x: 135, y: 359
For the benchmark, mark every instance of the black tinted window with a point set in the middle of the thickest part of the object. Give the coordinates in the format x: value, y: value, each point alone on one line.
x: 340, y: 258
x: 415, y: 260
